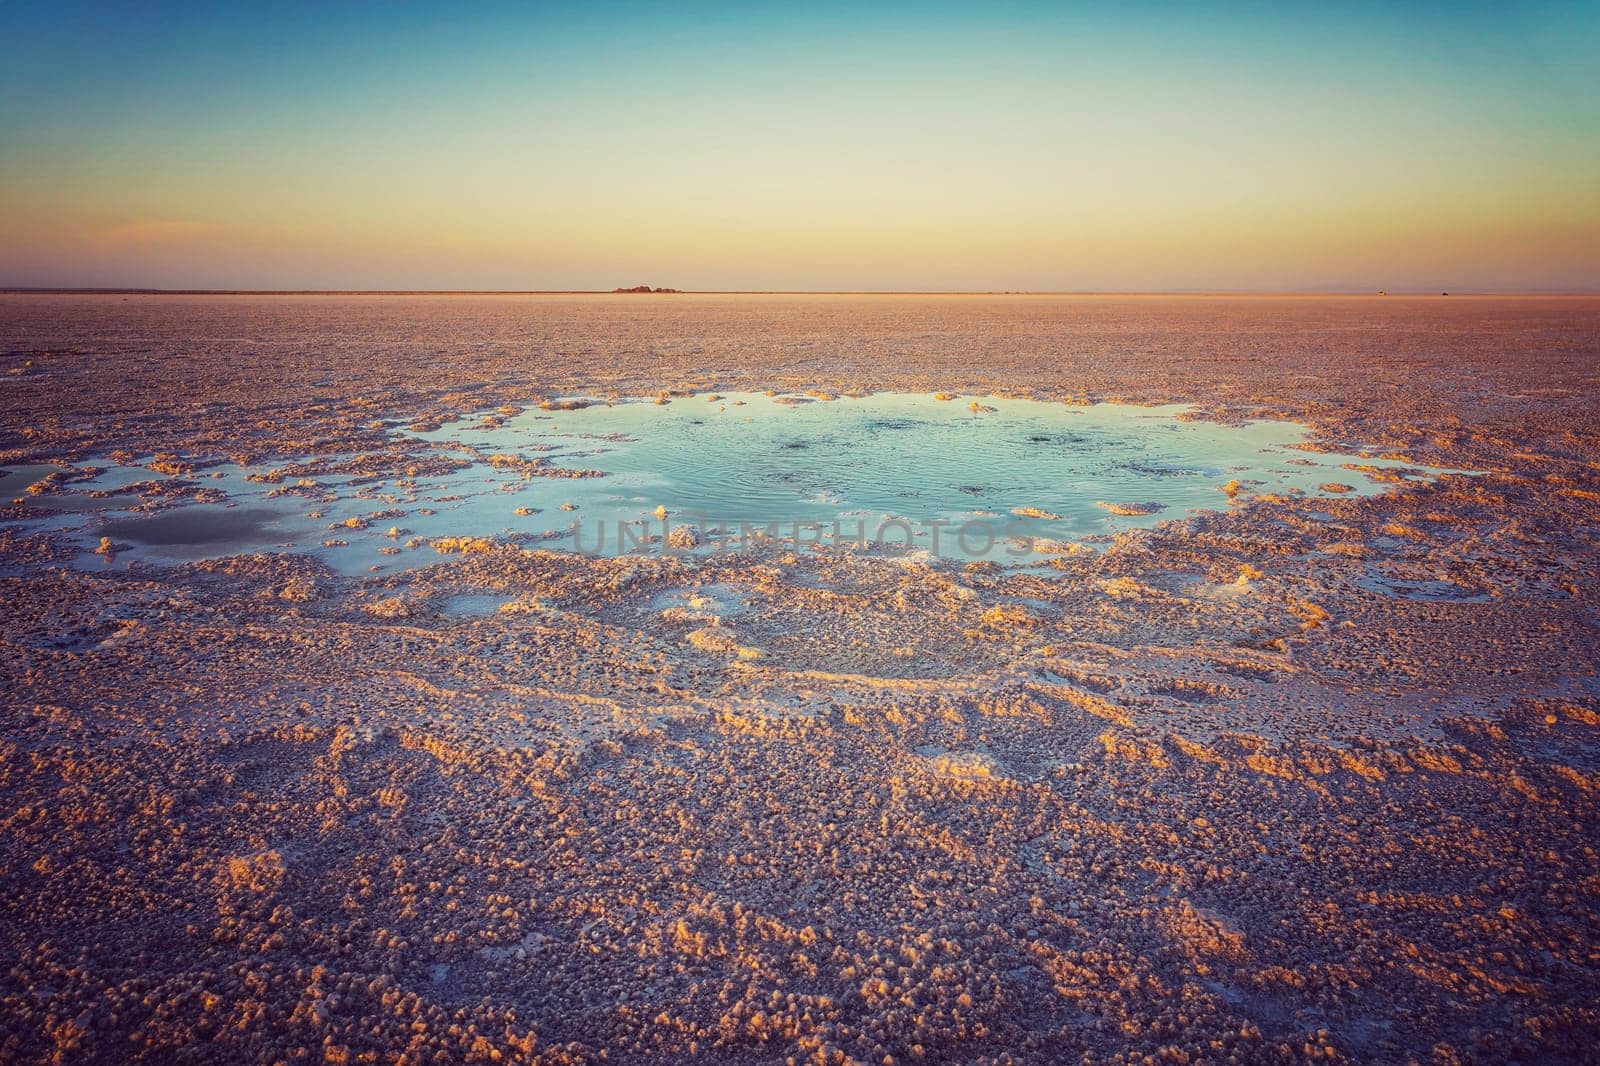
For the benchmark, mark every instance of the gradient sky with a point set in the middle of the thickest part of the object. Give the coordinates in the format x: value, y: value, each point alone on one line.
x: 1009, y: 146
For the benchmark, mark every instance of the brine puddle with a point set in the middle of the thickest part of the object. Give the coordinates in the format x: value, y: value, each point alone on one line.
x: 1009, y: 480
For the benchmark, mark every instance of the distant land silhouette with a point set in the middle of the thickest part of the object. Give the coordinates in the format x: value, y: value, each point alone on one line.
x: 645, y: 288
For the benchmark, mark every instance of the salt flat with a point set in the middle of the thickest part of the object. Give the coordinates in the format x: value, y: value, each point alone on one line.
x: 1298, y: 776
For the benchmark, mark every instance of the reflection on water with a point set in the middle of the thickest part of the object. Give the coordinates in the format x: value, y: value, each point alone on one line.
x: 200, y: 524
x: 1021, y: 468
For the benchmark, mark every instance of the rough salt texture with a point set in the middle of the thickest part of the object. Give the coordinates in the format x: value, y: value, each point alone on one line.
x: 1294, y: 780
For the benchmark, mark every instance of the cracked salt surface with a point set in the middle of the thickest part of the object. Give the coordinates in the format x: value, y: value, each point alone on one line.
x: 1004, y: 479
x: 1197, y: 793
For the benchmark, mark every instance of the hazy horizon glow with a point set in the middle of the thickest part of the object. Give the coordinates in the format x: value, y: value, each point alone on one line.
x: 1023, y: 147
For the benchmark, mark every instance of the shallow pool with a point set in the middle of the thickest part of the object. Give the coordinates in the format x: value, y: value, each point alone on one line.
x: 1009, y: 480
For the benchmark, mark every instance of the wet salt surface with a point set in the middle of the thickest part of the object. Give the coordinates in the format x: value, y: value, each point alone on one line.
x: 473, y: 604
x: 907, y: 469
x: 715, y: 600
x: 1428, y: 590
x: 15, y: 482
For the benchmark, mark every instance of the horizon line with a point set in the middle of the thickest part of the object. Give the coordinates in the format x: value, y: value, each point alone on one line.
x: 85, y: 290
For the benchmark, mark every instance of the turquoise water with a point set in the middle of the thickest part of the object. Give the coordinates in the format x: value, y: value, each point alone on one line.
x: 1011, y: 481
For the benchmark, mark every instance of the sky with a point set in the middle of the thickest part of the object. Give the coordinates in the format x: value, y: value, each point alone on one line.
x: 1100, y: 147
